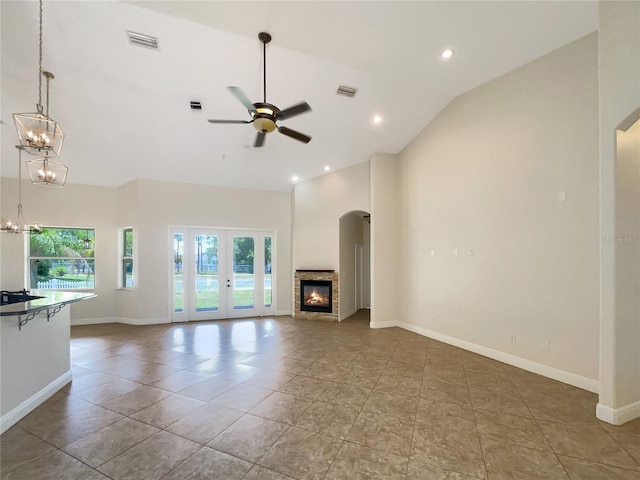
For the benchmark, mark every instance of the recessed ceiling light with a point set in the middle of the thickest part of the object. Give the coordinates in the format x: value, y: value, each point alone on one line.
x: 447, y: 54
x: 377, y: 119
x: 294, y: 178
x: 327, y: 168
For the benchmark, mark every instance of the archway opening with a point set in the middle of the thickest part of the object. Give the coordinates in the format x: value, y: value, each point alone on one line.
x: 355, y: 264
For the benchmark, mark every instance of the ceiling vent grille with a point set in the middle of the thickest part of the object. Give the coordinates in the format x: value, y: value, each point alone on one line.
x: 347, y: 91
x: 142, y: 40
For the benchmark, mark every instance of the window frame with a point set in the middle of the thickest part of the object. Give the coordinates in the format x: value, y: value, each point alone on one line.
x: 124, y: 258
x: 91, y: 260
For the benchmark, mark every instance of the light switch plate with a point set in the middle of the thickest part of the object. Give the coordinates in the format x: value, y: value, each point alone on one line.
x: 562, y: 196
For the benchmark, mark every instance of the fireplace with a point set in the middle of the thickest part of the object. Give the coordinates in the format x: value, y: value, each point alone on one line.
x: 316, y: 296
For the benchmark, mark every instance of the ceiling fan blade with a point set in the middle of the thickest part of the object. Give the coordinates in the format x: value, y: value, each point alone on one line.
x: 229, y: 121
x: 294, y: 110
x: 293, y: 134
x: 239, y: 94
x: 260, y: 139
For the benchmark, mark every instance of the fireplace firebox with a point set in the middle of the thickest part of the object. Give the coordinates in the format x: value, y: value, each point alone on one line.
x: 316, y: 296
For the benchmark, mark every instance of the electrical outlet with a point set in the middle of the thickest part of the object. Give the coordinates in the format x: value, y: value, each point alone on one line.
x: 471, y: 252
x: 512, y: 338
x: 545, y: 345
x: 433, y: 253
x: 455, y: 252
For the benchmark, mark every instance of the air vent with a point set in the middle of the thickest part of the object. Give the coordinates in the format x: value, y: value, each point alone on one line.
x: 142, y: 40
x: 195, y: 106
x: 347, y: 91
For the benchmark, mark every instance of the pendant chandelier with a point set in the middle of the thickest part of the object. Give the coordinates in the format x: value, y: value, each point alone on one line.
x: 18, y: 224
x: 39, y: 134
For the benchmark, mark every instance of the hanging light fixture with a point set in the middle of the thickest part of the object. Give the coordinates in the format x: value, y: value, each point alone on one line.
x: 18, y: 224
x: 86, y: 243
x: 47, y: 172
x: 38, y: 133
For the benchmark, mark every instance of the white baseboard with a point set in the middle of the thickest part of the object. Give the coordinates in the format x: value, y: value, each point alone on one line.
x: 94, y: 321
x: 143, y: 321
x: 13, y: 416
x: 545, y: 370
x: 387, y: 324
x: 618, y: 416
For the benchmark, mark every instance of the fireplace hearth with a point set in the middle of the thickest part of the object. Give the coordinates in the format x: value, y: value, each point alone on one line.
x: 315, y: 296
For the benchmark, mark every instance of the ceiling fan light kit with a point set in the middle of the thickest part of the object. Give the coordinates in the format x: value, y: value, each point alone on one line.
x: 264, y: 116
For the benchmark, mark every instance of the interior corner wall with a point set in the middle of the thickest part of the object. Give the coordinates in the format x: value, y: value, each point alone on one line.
x: 318, y: 206
x: 163, y: 204
x: 500, y: 197
x: 70, y: 206
x: 386, y: 241
x: 619, y: 79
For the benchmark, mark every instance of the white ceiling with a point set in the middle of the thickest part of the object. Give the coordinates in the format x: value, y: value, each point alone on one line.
x: 125, y: 109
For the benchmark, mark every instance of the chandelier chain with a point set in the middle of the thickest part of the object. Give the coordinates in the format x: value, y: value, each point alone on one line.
x: 40, y: 67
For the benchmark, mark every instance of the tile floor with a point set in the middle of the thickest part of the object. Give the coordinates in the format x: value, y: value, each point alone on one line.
x: 276, y: 399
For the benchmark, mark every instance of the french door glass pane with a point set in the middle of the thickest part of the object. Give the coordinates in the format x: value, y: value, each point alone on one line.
x: 268, y: 289
x: 243, y: 276
x: 206, y: 248
x: 178, y: 276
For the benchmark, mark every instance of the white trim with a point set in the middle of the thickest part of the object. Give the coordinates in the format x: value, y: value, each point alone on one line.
x: 618, y: 416
x: 12, y: 417
x: 143, y: 321
x: 539, y: 368
x: 387, y: 324
x: 94, y: 321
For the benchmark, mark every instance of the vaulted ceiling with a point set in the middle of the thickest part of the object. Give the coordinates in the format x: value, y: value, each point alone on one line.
x: 125, y: 109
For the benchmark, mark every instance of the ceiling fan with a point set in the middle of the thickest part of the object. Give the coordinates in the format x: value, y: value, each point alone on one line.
x: 265, y: 115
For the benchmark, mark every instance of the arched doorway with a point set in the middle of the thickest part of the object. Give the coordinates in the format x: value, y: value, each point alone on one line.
x: 355, y: 277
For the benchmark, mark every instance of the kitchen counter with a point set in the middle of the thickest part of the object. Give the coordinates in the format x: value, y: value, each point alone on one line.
x: 34, y: 360
x: 50, y: 299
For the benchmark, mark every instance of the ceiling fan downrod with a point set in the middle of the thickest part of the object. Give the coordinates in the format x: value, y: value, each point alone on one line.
x: 264, y: 38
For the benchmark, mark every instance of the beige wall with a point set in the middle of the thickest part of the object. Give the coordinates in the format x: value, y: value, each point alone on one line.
x: 162, y: 204
x: 386, y: 245
x: 69, y: 206
x: 628, y: 263
x: 486, y: 175
x: 150, y: 208
x: 318, y: 206
x: 619, y: 73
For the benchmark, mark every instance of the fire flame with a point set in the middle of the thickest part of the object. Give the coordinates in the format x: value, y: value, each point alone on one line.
x: 316, y: 299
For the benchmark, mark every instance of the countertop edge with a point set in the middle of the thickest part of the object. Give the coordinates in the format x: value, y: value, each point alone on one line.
x: 41, y: 304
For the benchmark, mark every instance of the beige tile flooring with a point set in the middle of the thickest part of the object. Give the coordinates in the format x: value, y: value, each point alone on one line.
x: 278, y: 399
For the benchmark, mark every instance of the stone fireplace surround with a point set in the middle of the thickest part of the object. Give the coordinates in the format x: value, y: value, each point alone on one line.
x: 316, y: 275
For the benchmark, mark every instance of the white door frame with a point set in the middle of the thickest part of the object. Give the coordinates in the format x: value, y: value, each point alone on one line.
x: 225, y: 262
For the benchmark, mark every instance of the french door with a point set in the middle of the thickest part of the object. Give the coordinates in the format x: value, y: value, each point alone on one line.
x: 219, y: 273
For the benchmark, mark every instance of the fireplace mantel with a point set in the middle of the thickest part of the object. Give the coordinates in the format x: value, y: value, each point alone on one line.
x: 315, y: 271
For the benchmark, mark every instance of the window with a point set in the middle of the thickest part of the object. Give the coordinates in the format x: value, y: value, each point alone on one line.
x: 126, y: 267
x: 62, y: 259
